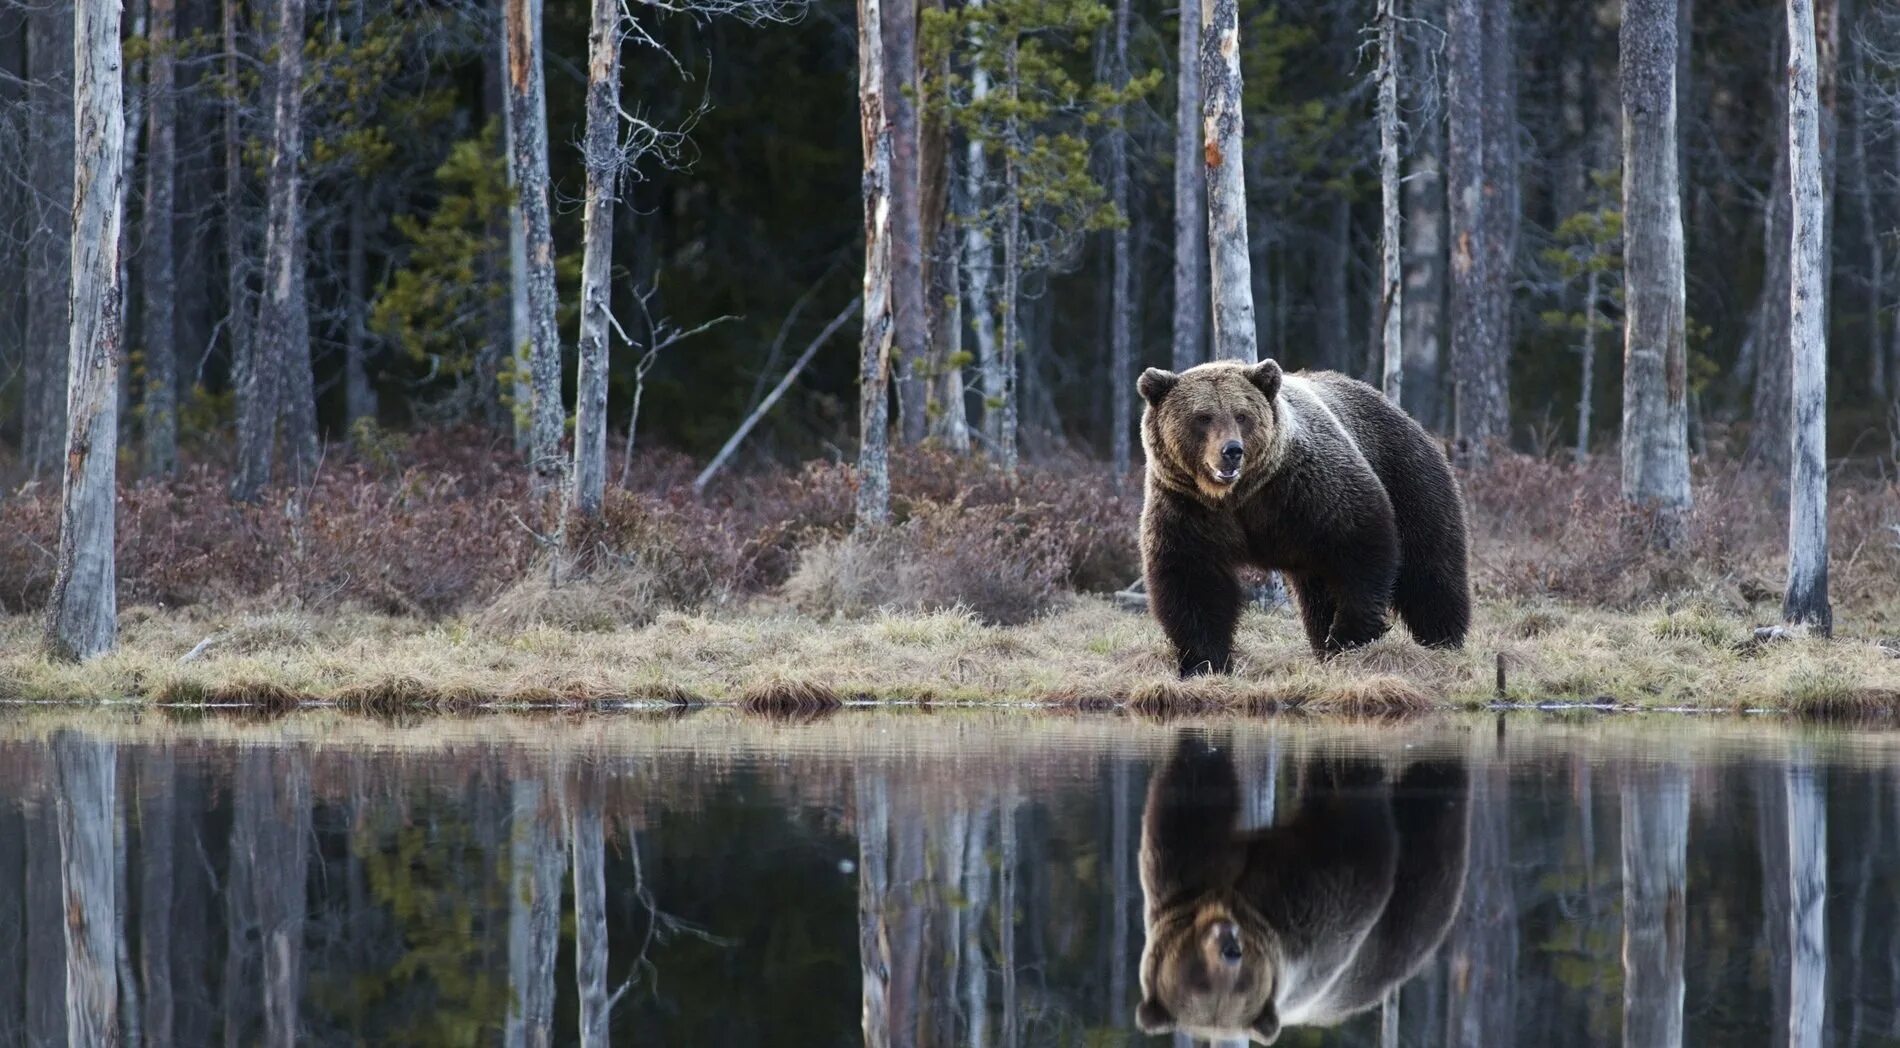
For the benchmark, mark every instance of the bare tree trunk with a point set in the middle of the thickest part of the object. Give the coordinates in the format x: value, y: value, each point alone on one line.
x: 1006, y: 911
x: 158, y: 829
x: 49, y: 45
x: 534, y: 918
x: 874, y: 347
x: 1191, y: 295
x: 88, y: 785
x: 1471, y: 334
x: 1871, y: 239
x: 161, y: 348
x: 979, y: 263
x: 1122, y: 292
x: 1806, y: 603
x: 873, y: 810
x: 1012, y: 265
x: 603, y: 171
x: 274, y: 800
x: 1391, y: 280
x: 1655, y: 364
x: 947, y: 413
x: 910, y: 325
x: 83, y: 615
x: 521, y: 334
x: 975, y: 916
x: 237, y: 287
x: 1230, y: 269
x: 1491, y: 384
x: 1807, y: 854
x: 1655, y: 882
x: 1425, y: 261
x: 359, y: 396
x: 588, y: 839
x: 527, y: 102
x: 1587, y: 352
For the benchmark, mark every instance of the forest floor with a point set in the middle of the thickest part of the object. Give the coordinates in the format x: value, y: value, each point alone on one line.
x: 1087, y: 654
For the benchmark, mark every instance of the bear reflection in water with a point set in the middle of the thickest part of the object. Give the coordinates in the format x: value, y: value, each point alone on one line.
x: 1304, y: 923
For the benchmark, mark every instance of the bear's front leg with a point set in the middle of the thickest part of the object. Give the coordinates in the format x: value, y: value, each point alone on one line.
x: 1360, y: 588
x: 1197, y: 602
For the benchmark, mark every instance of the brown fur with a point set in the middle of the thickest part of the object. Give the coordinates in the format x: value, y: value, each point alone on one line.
x: 1308, y: 922
x: 1339, y: 491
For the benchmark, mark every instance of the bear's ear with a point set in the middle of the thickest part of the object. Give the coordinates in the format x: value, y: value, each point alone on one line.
x: 1266, y: 377
x: 1155, y: 384
x: 1152, y: 1017
x: 1266, y: 1025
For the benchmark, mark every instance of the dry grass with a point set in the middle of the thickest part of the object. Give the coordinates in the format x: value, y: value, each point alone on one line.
x: 1089, y: 654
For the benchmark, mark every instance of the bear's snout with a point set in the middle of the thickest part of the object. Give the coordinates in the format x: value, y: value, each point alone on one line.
x: 1231, y: 452
x: 1227, y: 942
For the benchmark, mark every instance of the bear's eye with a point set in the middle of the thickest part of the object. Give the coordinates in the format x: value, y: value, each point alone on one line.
x: 1245, y: 420
x: 1203, y: 419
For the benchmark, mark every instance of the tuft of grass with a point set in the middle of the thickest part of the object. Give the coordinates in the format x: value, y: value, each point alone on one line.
x: 1698, y: 625
x: 798, y: 699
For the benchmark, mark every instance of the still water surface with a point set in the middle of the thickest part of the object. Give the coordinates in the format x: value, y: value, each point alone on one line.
x: 947, y: 879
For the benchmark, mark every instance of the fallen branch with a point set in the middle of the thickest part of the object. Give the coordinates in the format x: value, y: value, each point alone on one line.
x: 739, y: 435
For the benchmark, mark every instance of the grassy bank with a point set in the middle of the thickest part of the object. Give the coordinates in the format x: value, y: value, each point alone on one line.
x: 1086, y: 654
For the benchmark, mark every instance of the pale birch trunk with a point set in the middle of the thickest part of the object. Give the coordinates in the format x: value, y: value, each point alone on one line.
x: 603, y: 171
x: 588, y: 838
x: 527, y: 102
x: 1655, y: 883
x: 83, y: 608
x: 534, y: 918
x: 1007, y: 402
x: 50, y: 177
x: 1807, y: 873
x: 1425, y: 260
x: 874, y: 346
x: 910, y: 323
x: 1806, y: 603
x: 1230, y: 270
x: 160, y: 395
x: 286, y: 331
x: 979, y: 264
x: 1391, y: 279
x: 948, y: 406
x: 1191, y: 296
x: 88, y: 784
x: 1471, y: 333
x: 1122, y: 291
x: 873, y: 809
x: 975, y: 916
x: 1655, y: 367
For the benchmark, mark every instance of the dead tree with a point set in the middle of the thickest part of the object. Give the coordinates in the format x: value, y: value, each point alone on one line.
x: 1806, y: 600
x: 83, y: 616
x: 527, y: 105
x: 161, y: 354
x: 1230, y: 267
x: 603, y: 172
x: 1122, y: 292
x: 1391, y: 279
x: 1190, y: 198
x: 88, y: 786
x: 874, y: 347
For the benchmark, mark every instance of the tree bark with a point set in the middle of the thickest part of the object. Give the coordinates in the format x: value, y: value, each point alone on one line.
x: 238, y: 314
x: 534, y: 918
x: 161, y: 346
x: 520, y: 326
x: 88, y: 786
x: 1806, y: 602
x: 910, y: 324
x: 359, y: 396
x: 49, y: 45
x: 588, y: 838
x: 947, y: 413
x: 1655, y: 884
x: 83, y: 616
x: 1655, y: 365
x: 1425, y: 259
x: 1871, y: 239
x: 1391, y: 279
x: 527, y: 101
x: 1807, y: 867
x: 874, y: 347
x: 1491, y: 385
x: 1122, y: 292
x: 979, y: 263
x: 1471, y: 333
x: 1191, y: 295
x: 603, y: 171
x: 1008, y: 403
x: 873, y: 814
x: 1587, y: 354
x: 273, y: 806
x: 1230, y: 269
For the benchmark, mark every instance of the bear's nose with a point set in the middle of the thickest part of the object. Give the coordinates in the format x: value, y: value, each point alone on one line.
x: 1231, y: 451
x: 1227, y: 937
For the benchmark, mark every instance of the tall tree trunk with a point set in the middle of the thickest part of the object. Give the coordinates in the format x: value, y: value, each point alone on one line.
x: 520, y: 326
x: 88, y: 784
x: 1871, y: 239
x: 1012, y: 263
x: 1472, y: 337
x: 1391, y: 280
x: 873, y: 815
x: 49, y: 46
x: 874, y: 346
x: 158, y: 832
x: 287, y: 330
x: 1807, y: 854
x: 979, y: 263
x: 1806, y: 603
x: 973, y: 920
x: 603, y: 174
x: 947, y: 413
x: 238, y: 315
x: 534, y: 918
x: 1655, y: 882
x: 1122, y: 293
x: 1587, y: 354
x: 1230, y: 269
x: 1425, y: 257
x: 1655, y: 366
x: 161, y: 344
x: 527, y: 102
x: 359, y: 396
x: 16, y: 209
x: 83, y: 616
x: 1482, y: 947
x: 1191, y: 295
x: 588, y: 838
x: 910, y: 324
x: 273, y: 804
x: 1484, y: 397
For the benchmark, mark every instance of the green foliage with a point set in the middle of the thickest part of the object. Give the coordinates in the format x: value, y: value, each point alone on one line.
x: 1585, y: 243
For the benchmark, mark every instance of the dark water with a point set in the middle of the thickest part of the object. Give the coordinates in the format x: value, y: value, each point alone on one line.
x: 946, y: 879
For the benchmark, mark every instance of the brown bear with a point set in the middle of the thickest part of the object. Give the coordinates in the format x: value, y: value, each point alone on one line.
x: 1304, y: 923
x: 1316, y: 476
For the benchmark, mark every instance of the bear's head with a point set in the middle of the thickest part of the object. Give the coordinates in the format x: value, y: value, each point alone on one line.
x: 1206, y: 973
x: 1212, y: 428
